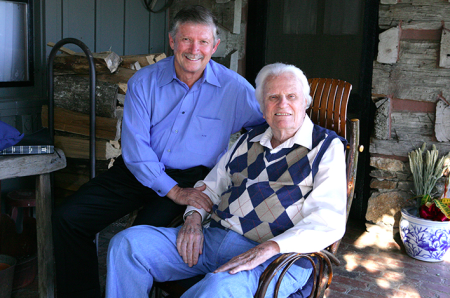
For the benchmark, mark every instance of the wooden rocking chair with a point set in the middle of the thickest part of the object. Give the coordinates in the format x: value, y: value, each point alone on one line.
x: 328, y: 109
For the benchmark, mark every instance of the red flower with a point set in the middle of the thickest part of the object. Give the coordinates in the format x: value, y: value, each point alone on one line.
x: 432, y: 213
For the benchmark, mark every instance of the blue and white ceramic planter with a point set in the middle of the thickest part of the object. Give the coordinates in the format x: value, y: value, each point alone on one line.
x: 424, y: 239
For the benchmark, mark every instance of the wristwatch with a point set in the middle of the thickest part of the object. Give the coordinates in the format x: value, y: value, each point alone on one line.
x: 189, y: 213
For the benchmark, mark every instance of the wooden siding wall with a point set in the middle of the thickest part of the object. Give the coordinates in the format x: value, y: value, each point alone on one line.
x: 123, y: 26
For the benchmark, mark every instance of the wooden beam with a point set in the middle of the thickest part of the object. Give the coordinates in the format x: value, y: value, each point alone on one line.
x: 129, y: 61
x: 78, y: 62
x: 78, y: 147
x: 78, y: 123
x: 442, y: 125
x: 120, y: 78
x: 75, y: 64
x: 14, y: 166
x: 46, y: 271
x: 62, y: 49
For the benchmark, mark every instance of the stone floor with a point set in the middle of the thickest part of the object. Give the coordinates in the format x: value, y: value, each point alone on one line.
x: 372, y: 265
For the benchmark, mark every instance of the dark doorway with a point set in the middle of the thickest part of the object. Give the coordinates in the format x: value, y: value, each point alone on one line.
x: 324, y: 38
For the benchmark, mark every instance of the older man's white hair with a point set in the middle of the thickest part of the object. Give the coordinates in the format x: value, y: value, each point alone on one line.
x: 277, y: 69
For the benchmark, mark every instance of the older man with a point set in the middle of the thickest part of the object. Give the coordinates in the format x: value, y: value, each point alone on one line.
x: 281, y: 188
x: 178, y: 117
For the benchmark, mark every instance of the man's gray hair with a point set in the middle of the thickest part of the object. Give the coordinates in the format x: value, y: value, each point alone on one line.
x: 277, y: 69
x: 196, y: 14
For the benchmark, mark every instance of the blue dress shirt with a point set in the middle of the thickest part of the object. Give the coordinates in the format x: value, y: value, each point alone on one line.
x: 166, y: 125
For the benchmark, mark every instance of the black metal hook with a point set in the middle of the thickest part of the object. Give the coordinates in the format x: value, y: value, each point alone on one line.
x: 90, y: 58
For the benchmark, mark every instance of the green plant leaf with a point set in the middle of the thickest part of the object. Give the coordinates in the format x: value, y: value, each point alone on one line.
x: 444, y: 208
x: 425, y: 199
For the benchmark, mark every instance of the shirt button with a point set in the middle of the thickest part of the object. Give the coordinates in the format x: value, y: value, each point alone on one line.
x: 176, y: 130
x: 182, y: 112
x: 168, y: 150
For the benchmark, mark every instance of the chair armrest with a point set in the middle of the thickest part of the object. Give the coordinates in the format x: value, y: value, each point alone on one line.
x: 285, y: 261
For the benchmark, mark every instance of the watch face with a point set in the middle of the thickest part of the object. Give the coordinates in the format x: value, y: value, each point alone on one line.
x: 188, y: 213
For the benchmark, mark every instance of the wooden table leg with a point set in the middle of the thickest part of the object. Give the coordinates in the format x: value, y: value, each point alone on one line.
x: 44, y: 237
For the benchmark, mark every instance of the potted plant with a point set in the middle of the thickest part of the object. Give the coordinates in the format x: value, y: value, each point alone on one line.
x: 425, y: 228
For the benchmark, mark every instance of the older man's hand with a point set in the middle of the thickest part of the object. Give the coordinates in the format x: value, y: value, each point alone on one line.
x: 251, y: 258
x: 191, y: 196
x: 190, y: 239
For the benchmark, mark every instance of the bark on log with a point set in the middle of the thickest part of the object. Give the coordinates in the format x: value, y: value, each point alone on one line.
x: 72, y: 93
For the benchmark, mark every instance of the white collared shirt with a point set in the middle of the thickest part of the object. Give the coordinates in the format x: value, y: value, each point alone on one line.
x: 323, y: 212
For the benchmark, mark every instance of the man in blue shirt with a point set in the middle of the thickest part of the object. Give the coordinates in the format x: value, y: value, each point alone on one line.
x: 178, y: 117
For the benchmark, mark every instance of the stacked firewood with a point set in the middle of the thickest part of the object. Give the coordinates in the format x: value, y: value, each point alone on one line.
x: 72, y: 108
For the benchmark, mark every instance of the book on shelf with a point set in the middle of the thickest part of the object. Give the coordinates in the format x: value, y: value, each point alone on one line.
x: 34, y: 143
x: 30, y: 149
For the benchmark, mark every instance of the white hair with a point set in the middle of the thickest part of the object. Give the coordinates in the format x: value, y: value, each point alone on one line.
x: 277, y: 69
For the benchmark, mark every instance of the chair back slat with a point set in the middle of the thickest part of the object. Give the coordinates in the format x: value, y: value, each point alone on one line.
x: 340, y: 106
x: 329, y: 103
x: 347, y: 88
x: 324, y: 101
x: 334, y: 104
x: 314, y: 109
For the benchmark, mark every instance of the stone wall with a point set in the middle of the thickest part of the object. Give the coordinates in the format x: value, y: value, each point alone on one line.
x: 411, y: 90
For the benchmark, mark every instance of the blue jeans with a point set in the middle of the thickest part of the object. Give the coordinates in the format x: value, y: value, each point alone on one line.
x: 142, y: 254
x: 104, y: 199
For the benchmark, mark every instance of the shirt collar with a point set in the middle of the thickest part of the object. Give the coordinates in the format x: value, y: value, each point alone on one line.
x: 168, y: 74
x: 210, y: 76
x: 302, y: 137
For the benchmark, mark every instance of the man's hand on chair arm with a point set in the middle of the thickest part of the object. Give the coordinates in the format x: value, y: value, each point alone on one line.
x: 251, y: 258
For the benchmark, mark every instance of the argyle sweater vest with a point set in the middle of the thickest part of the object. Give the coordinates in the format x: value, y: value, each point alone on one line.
x: 268, y: 190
